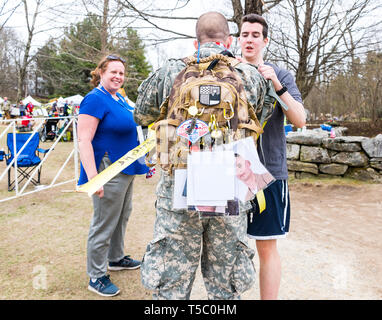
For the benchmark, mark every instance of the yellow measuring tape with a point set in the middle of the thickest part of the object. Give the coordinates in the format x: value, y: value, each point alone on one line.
x: 110, y: 172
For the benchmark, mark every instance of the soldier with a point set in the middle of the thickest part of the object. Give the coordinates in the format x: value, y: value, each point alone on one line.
x: 181, y: 238
x: 6, y: 108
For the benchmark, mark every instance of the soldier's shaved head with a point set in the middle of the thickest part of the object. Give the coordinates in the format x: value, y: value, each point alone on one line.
x: 212, y: 26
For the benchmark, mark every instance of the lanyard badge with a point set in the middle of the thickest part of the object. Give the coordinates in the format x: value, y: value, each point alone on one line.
x: 121, y: 100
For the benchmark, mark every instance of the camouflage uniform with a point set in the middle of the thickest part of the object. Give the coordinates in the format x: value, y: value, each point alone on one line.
x: 181, y: 238
x: 6, y: 109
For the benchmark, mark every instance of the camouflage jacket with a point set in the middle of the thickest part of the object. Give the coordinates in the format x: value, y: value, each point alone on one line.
x: 6, y: 106
x: 154, y: 90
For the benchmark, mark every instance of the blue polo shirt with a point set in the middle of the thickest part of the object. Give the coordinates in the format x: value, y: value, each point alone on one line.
x: 116, y: 133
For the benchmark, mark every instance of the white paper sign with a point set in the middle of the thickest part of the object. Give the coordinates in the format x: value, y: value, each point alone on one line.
x: 179, y: 201
x: 210, y: 178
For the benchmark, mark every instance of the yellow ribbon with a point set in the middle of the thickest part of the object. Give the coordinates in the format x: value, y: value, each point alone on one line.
x: 261, y: 200
x: 260, y: 195
x: 110, y: 172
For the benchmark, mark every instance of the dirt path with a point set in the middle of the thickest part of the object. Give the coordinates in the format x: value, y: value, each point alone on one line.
x: 334, y: 248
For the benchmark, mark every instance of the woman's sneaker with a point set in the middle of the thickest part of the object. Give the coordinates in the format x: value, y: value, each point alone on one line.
x: 124, y: 263
x: 103, y: 286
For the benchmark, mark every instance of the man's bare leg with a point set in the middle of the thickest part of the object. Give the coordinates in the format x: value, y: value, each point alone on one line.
x: 270, y: 269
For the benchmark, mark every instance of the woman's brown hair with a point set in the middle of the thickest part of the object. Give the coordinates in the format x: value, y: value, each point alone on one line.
x: 102, y: 66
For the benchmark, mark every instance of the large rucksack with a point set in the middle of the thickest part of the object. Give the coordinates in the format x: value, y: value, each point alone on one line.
x: 209, y: 90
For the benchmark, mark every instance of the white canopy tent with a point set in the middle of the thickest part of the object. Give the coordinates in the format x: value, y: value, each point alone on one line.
x: 40, y: 112
x: 74, y: 100
x: 60, y: 100
x: 31, y: 100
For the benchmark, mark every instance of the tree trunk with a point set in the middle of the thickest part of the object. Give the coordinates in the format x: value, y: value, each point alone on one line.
x: 254, y: 6
x: 374, y: 103
x: 250, y: 6
x: 104, y: 31
x: 26, y: 60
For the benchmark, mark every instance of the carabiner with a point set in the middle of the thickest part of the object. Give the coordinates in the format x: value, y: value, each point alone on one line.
x: 232, y: 111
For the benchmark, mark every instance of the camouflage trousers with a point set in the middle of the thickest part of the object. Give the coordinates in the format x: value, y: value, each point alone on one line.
x: 182, y: 239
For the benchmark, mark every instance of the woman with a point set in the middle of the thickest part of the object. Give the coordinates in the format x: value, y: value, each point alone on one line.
x: 106, y: 131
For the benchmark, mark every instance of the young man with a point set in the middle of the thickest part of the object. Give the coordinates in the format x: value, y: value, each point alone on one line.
x: 273, y: 222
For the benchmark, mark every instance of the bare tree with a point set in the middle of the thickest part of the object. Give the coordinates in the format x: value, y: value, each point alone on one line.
x: 313, y: 38
x: 318, y: 43
x: 23, y: 65
x: 150, y: 14
x: 8, y: 79
x: 250, y: 6
x: 40, y: 17
x: 372, y: 84
x: 6, y: 11
x: 147, y: 16
x: 104, y: 32
x: 108, y: 11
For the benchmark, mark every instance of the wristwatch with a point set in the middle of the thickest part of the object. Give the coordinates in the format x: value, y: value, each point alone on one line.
x: 282, y: 91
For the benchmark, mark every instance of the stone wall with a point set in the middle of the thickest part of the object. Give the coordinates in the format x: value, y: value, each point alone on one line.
x: 314, y: 153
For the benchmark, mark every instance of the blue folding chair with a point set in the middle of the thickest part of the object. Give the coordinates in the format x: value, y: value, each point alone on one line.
x: 27, y: 160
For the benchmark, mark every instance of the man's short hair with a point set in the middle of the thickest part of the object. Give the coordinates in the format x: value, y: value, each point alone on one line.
x: 212, y: 26
x: 253, y: 18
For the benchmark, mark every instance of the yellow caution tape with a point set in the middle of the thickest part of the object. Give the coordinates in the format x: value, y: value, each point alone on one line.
x: 110, y: 172
x: 261, y: 200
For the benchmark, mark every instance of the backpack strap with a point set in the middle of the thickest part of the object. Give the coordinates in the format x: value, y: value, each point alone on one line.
x: 163, y: 112
x: 171, y: 122
x: 188, y: 60
x: 251, y: 126
x: 234, y: 62
x: 272, y: 92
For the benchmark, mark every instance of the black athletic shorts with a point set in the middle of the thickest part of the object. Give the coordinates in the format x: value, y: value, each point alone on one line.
x: 273, y: 222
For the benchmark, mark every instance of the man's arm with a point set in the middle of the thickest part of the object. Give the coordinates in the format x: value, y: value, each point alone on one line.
x: 154, y: 90
x: 147, y: 104
x: 296, y: 112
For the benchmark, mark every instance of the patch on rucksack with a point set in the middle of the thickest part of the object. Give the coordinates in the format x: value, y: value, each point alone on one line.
x: 209, y: 95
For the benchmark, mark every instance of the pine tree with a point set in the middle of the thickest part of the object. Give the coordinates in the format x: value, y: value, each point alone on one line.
x: 66, y: 67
